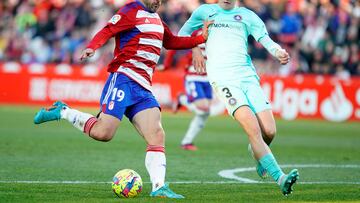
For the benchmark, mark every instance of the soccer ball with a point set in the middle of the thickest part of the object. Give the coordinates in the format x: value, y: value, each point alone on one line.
x: 127, y: 183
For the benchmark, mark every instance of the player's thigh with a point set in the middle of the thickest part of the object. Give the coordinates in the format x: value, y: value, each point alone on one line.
x: 245, y: 116
x: 106, y: 126
x: 231, y: 95
x: 267, y: 122
x: 203, y: 104
x: 255, y: 95
x: 148, y: 123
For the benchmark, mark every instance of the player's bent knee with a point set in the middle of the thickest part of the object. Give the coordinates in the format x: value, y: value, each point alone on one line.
x: 270, y: 132
x: 254, y: 132
x: 102, y: 135
x: 158, y: 137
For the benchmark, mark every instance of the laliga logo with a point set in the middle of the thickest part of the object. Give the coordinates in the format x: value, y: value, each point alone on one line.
x: 336, y: 107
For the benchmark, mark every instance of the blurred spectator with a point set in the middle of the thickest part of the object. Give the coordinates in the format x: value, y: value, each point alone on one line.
x: 322, y: 37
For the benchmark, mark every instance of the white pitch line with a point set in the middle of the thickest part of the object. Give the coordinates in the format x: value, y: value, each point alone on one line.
x: 231, y: 173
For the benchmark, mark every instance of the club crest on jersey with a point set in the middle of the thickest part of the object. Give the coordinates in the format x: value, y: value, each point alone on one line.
x: 115, y: 19
x: 237, y: 17
x: 232, y: 101
x: 111, y: 105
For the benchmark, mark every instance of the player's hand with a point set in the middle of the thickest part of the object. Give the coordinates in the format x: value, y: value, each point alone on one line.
x: 87, y: 53
x: 205, y: 30
x: 282, y: 56
x: 198, y: 60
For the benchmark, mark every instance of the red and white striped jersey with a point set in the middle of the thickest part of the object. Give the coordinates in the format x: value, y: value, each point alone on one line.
x: 139, y: 36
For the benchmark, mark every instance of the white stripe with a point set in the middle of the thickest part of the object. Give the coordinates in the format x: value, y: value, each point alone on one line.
x: 140, y: 65
x: 152, y: 42
x: 145, y: 14
x: 173, y: 182
x: 109, y: 91
x: 200, y: 78
x: 135, y: 76
x: 150, y: 28
x: 147, y: 55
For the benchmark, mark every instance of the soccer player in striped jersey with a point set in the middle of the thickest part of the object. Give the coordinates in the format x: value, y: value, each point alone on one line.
x: 139, y: 36
x: 234, y: 78
x: 197, y: 98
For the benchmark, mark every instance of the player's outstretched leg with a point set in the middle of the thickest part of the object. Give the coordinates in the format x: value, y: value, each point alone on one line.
x: 262, y: 151
x: 166, y: 192
x: 261, y: 171
x: 287, y: 181
x: 59, y: 110
x: 50, y: 114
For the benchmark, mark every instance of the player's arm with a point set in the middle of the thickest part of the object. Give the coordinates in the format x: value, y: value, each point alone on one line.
x: 259, y: 32
x: 194, y: 22
x: 176, y: 42
x: 198, y: 59
x: 116, y: 24
x: 275, y: 49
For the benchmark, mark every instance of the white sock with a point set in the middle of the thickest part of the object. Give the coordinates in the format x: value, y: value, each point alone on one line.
x: 77, y: 118
x: 196, y: 125
x: 155, y: 163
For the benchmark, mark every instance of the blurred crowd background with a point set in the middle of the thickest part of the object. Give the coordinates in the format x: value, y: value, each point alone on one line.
x: 322, y: 36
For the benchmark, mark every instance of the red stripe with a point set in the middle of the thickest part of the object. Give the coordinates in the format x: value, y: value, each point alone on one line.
x: 195, y: 73
x: 151, y: 35
x: 89, y: 124
x: 139, y: 71
x: 148, y: 63
x: 148, y: 20
x: 138, y: 82
x: 155, y: 148
x: 149, y: 48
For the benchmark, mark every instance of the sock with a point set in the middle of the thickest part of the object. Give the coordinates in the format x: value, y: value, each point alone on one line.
x: 155, y: 162
x: 196, y: 125
x: 268, y: 161
x: 82, y: 121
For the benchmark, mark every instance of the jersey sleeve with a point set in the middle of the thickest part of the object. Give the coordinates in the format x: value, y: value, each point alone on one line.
x: 118, y: 23
x: 121, y: 21
x: 257, y: 27
x: 259, y: 32
x: 194, y: 22
x: 176, y: 42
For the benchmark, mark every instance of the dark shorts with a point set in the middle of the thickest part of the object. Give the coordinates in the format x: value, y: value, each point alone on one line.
x: 198, y: 90
x: 122, y: 95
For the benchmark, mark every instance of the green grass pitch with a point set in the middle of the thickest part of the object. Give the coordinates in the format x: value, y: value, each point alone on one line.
x: 53, y: 156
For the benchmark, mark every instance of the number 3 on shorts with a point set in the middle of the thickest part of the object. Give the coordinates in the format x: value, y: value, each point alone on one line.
x: 227, y: 92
